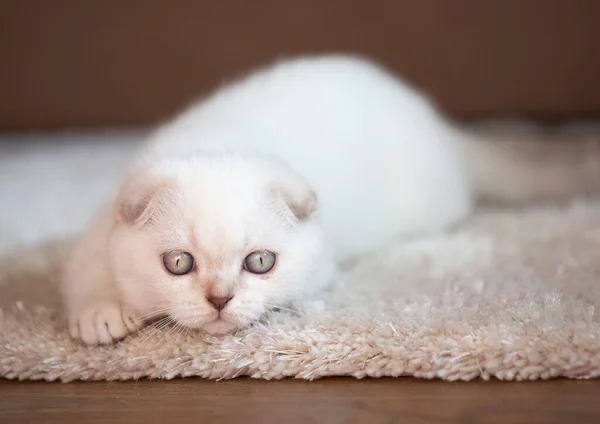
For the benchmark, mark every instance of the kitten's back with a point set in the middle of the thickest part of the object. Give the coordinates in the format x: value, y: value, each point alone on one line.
x: 379, y: 158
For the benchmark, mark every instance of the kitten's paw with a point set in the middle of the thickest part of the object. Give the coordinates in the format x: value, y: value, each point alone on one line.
x: 103, y: 323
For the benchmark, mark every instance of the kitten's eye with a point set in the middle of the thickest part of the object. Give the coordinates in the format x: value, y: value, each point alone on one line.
x: 259, y: 262
x: 178, y: 262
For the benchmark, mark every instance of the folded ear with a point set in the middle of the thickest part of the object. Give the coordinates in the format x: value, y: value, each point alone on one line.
x: 139, y: 198
x: 297, y: 197
x: 302, y: 205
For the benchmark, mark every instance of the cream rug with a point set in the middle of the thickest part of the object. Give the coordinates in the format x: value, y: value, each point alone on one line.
x: 513, y: 295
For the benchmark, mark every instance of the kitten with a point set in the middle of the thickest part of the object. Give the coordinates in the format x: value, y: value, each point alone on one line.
x: 249, y: 199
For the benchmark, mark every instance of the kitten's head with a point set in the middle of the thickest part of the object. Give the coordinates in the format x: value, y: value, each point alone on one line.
x: 214, y: 241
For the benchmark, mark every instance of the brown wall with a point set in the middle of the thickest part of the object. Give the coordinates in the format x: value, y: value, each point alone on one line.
x: 127, y: 62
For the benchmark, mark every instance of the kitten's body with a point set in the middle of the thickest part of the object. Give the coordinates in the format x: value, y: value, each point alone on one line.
x: 239, y: 171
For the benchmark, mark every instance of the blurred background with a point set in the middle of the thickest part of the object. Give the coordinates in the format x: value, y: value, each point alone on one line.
x: 81, y: 80
x: 84, y: 63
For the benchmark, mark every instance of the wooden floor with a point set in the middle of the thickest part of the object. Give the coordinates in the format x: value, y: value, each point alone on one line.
x: 325, y: 401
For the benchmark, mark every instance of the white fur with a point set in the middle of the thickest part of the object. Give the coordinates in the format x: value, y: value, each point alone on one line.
x: 229, y: 172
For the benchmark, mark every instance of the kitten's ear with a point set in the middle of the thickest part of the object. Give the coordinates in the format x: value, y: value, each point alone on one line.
x: 303, y: 207
x: 139, y: 198
x: 299, y: 199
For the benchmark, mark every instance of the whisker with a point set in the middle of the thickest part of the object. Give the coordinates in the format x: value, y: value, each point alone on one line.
x: 169, y: 331
x: 159, y: 325
x: 175, y: 330
x: 163, y: 338
x: 181, y: 329
x: 281, y: 307
x: 165, y: 309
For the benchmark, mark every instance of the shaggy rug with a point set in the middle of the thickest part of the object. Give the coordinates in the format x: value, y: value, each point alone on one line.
x: 512, y: 294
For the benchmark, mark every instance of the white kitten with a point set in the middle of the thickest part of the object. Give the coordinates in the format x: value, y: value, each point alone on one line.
x: 247, y: 200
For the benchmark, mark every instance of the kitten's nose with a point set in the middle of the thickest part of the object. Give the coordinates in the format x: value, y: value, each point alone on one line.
x: 219, y: 302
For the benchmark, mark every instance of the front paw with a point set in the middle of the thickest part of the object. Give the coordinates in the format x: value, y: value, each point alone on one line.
x: 103, y: 323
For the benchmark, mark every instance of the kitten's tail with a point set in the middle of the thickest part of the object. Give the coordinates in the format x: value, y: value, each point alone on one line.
x: 532, y: 168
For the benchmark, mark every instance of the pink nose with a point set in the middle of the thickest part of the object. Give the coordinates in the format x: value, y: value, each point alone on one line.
x: 219, y: 302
